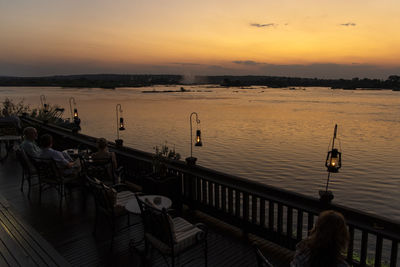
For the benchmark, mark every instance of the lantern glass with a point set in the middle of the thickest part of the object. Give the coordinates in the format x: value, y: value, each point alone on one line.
x: 75, y: 113
x: 121, y: 124
x: 333, y: 161
x: 198, y: 138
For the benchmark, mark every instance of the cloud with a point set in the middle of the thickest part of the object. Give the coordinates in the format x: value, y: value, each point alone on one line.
x: 348, y: 24
x: 258, y: 25
x: 246, y: 62
x: 320, y: 70
x: 185, y: 63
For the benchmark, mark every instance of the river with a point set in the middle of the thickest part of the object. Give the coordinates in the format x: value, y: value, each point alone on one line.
x: 279, y: 137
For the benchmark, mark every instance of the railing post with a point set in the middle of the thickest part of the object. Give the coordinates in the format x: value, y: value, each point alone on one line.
x: 350, y: 246
x: 299, y: 236
x: 230, y: 201
x: 189, y: 187
x: 378, y: 251
x: 364, y: 247
x: 289, y: 226
x: 216, y: 196
x: 393, y: 257
x: 271, y: 216
x: 254, y: 203
x: 262, y: 212
x: 223, y: 197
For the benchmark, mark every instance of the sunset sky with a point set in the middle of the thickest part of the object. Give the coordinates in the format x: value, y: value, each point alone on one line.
x: 308, y: 38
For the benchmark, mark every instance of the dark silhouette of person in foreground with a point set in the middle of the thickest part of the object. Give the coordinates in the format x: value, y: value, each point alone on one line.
x: 326, y: 244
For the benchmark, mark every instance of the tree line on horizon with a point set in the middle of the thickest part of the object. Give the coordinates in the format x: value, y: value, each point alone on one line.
x: 112, y: 81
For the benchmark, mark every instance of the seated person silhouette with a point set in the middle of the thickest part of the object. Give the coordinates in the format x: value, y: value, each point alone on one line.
x: 326, y: 244
x: 63, y: 160
x: 107, y: 159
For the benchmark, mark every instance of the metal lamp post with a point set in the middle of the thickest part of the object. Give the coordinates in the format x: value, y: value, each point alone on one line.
x: 120, y: 124
x: 192, y: 160
x: 44, y: 104
x: 74, y: 114
x: 333, y: 163
x: 74, y: 111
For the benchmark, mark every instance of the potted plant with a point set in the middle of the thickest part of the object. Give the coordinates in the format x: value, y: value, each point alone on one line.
x: 160, y: 158
x: 160, y: 182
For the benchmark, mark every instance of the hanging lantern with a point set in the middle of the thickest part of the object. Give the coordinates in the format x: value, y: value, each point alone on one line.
x: 334, y: 160
x: 121, y: 124
x: 75, y: 113
x: 198, y: 138
x: 46, y: 108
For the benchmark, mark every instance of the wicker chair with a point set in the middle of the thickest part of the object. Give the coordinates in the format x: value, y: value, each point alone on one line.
x: 110, y: 202
x: 51, y: 176
x: 102, y: 169
x: 261, y: 259
x: 28, y: 170
x: 11, y: 135
x: 170, y: 236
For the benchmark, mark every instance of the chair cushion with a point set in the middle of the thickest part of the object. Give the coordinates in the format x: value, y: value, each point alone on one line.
x: 123, y: 197
x: 172, y: 227
x: 186, y: 235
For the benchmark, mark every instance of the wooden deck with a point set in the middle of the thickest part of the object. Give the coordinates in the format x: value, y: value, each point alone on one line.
x: 70, y: 232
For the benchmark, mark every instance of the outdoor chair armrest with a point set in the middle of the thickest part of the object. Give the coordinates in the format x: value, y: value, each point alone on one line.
x: 121, y: 187
x: 261, y: 258
x: 120, y: 173
x: 201, y: 235
x: 202, y: 226
x: 172, y: 212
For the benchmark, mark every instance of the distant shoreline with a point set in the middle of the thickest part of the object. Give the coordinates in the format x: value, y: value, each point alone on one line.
x: 112, y: 81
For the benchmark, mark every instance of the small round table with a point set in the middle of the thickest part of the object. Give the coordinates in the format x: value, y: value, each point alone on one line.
x: 76, y: 153
x: 133, y: 206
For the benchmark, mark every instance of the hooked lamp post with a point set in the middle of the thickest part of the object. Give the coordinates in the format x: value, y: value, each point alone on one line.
x: 44, y: 104
x: 192, y: 160
x: 333, y: 163
x: 120, y: 124
x: 74, y: 112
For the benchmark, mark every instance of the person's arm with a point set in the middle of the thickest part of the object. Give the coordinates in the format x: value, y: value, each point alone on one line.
x: 59, y: 157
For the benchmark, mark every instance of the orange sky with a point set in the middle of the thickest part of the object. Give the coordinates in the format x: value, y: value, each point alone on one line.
x: 250, y: 37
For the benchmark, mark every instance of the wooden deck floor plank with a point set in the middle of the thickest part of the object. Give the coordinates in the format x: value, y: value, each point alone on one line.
x: 6, y: 258
x: 23, y: 242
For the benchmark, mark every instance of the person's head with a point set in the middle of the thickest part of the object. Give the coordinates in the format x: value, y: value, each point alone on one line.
x: 30, y: 133
x: 328, y: 239
x: 46, y: 141
x: 101, y: 144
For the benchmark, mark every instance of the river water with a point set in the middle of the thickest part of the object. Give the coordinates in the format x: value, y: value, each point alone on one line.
x: 279, y: 137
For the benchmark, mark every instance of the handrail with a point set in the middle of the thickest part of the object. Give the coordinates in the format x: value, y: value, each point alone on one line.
x: 282, y: 216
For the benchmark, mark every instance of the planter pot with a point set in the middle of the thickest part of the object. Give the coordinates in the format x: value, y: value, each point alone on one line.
x: 191, y: 161
x: 119, y: 142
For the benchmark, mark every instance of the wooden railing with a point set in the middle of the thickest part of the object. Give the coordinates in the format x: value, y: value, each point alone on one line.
x: 276, y: 214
